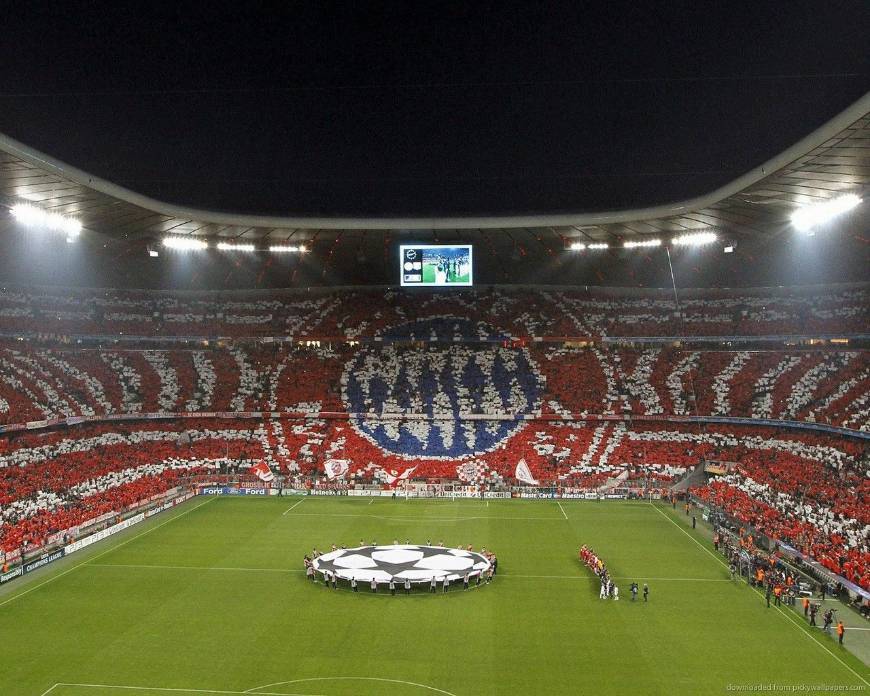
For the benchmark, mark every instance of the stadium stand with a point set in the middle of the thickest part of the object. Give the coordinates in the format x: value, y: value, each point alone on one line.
x: 596, y: 312
x: 455, y: 386
x: 826, y: 386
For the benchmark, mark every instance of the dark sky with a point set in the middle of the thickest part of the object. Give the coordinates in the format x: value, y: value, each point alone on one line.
x: 419, y: 108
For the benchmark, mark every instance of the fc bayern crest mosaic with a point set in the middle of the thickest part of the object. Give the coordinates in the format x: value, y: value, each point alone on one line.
x: 418, y: 564
x: 441, y: 382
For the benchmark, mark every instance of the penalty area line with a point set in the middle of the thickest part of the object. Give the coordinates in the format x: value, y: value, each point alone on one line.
x: 292, y: 506
x: 784, y: 615
x: 559, y: 503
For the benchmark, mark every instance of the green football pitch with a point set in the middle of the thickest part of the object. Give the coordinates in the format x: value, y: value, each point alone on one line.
x: 209, y: 598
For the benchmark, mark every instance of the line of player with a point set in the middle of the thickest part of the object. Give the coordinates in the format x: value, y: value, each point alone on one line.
x: 609, y: 589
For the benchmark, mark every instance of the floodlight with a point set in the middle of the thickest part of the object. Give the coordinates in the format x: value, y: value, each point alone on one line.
x: 226, y: 246
x: 809, y: 216
x: 35, y: 216
x: 286, y: 249
x: 598, y: 246
x: 184, y: 243
x: 644, y: 243
x: 694, y: 239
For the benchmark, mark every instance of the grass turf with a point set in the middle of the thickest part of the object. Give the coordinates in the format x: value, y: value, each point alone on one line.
x: 210, y: 599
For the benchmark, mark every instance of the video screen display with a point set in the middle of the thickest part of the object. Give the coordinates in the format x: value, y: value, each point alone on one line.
x: 435, y: 265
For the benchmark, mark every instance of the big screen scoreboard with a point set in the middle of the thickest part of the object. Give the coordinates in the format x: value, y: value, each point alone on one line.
x: 435, y: 265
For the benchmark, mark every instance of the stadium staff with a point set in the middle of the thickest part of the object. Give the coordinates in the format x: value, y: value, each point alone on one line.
x: 841, y: 630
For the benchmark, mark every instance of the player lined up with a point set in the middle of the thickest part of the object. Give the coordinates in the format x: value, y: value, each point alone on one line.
x: 609, y: 589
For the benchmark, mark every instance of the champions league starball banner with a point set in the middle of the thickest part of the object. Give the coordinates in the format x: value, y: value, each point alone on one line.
x: 418, y: 564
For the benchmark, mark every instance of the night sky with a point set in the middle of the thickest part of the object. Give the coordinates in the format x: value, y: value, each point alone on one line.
x: 429, y: 108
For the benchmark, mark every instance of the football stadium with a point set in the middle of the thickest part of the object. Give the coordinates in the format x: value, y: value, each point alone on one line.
x: 405, y: 350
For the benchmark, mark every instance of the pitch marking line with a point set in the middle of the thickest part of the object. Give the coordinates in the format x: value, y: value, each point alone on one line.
x: 292, y: 506
x: 256, y: 689
x: 784, y: 615
x: 100, y: 555
x: 559, y: 503
x: 49, y: 690
x: 175, y: 567
x: 423, y: 519
x: 179, y: 690
x: 502, y: 575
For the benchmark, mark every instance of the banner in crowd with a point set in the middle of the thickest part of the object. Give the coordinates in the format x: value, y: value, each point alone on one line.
x: 394, y: 478
x: 522, y: 473
x: 334, y: 468
x: 263, y: 472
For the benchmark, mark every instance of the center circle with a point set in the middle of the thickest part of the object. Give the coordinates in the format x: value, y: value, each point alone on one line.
x: 419, y: 564
x: 443, y: 390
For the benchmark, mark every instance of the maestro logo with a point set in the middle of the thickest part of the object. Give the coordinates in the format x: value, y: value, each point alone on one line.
x: 444, y: 384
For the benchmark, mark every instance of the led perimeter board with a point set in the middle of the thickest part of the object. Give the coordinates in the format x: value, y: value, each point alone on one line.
x: 435, y: 265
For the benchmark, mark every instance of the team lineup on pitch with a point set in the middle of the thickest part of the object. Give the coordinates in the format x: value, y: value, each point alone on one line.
x: 226, y: 573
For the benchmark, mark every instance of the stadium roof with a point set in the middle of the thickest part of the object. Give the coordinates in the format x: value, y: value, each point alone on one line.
x: 832, y: 160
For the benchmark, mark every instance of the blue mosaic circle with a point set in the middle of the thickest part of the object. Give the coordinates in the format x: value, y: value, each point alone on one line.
x: 441, y: 380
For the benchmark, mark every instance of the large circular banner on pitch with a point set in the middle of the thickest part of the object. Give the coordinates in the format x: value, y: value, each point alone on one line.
x: 405, y: 561
x: 440, y: 386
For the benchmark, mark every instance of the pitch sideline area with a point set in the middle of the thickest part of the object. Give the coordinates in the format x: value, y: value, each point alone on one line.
x: 212, y: 600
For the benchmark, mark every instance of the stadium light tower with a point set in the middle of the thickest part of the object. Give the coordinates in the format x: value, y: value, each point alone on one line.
x: 810, y: 216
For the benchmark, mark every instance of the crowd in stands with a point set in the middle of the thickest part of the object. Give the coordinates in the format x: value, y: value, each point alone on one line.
x: 455, y: 409
x: 590, y: 312
x: 808, y: 488
x: 823, y: 386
